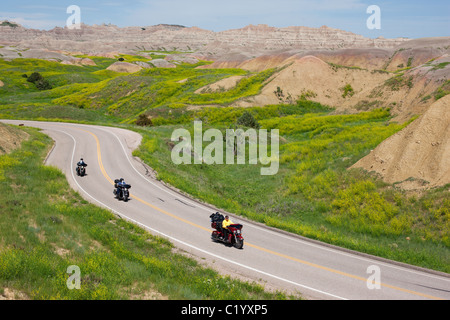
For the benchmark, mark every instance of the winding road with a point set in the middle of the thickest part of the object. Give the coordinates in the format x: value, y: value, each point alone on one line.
x: 278, y: 259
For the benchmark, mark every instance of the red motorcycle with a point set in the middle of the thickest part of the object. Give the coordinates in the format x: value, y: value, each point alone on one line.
x: 232, y: 237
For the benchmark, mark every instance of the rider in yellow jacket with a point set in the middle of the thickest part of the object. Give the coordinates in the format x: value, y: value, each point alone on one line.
x: 225, y: 224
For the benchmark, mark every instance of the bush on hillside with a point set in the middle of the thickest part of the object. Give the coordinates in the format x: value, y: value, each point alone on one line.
x: 248, y: 120
x: 144, y: 121
x: 43, y: 84
x: 35, y: 76
x: 39, y: 81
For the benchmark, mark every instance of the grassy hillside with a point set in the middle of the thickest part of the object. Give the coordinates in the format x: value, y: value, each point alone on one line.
x: 313, y: 193
x: 96, y: 94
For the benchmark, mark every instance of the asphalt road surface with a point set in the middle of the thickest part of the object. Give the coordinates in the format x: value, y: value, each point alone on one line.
x: 277, y: 259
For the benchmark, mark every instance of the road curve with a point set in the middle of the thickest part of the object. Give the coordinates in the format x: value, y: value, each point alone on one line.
x: 280, y: 260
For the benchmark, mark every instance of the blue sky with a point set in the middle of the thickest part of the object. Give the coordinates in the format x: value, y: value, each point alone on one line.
x: 412, y: 19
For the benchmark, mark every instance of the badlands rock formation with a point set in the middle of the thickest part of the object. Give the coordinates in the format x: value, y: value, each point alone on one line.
x: 124, y: 67
x: 161, y: 63
x: 319, y: 81
x: 80, y: 62
x: 407, y: 92
x: 250, y: 40
x: 419, y: 155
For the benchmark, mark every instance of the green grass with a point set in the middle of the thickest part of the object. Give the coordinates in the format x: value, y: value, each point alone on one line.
x: 441, y: 65
x: 46, y: 227
x: 442, y: 91
x: 117, y: 95
x: 399, y: 81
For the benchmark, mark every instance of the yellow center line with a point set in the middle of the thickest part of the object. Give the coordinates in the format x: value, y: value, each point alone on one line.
x: 99, y: 156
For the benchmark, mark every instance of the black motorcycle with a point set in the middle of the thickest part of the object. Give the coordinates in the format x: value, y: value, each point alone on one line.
x: 81, y: 170
x: 121, y: 190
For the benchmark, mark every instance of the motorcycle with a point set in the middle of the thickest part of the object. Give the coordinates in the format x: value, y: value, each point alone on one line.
x: 81, y: 170
x: 234, y: 235
x: 121, y: 191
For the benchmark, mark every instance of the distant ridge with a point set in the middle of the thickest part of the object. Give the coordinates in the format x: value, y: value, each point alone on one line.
x: 251, y: 39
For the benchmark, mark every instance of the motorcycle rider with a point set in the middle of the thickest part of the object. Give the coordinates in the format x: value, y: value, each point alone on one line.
x: 81, y: 163
x: 120, y: 185
x: 225, y: 224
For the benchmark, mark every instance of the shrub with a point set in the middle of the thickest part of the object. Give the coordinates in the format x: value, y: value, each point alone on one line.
x: 348, y: 91
x: 39, y: 81
x: 34, y: 77
x: 248, y: 120
x: 9, y: 24
x: 144, y: 121
x: 279, y: 93
x: 410, y: 59
x: 307, y: 94
x: 43, y: 84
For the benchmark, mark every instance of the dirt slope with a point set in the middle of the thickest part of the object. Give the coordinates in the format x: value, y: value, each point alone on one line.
x: 224, y: 84
x: 10, y: 138
x: 419, y: 154
x: 314, y: 77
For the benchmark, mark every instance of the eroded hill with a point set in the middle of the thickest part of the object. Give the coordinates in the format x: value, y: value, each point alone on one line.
x: 419, y: 155
x: 10, y: 138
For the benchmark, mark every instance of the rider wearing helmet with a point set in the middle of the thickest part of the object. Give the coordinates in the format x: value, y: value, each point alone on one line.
x: 225, y: 224
x: 119, y: 185
x: 81, y: 163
